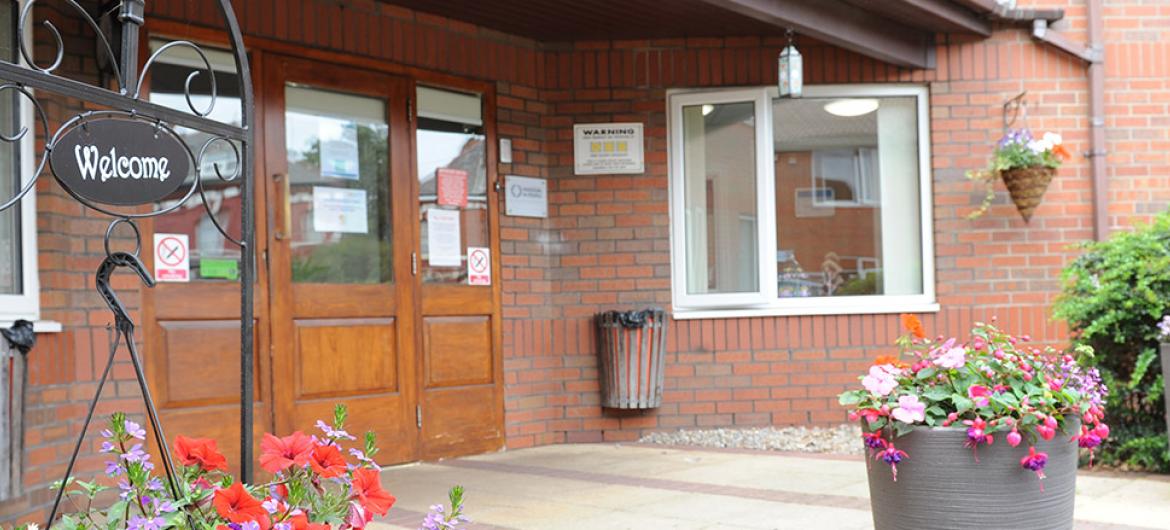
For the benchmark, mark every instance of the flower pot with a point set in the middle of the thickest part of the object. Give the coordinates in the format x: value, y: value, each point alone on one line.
x: 1027, y: 186
x: 941, y: 486
x: 1166, y: 382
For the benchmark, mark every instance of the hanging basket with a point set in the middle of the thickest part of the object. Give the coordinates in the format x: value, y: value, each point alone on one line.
x: 1027, y: 186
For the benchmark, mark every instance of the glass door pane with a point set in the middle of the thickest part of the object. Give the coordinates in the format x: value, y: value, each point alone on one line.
x: 339, y: 195
x: 452, y: 177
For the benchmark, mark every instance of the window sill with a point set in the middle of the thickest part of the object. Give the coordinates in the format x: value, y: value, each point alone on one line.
x: 39, y: 326
x: 873, y: 308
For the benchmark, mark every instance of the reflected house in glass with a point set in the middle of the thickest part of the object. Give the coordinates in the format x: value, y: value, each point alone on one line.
x: 782, y: 235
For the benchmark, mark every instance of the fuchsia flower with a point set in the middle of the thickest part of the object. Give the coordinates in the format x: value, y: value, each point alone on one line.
x: 891, y: 456
x: 1013, y: 438
x: 1035, y: 462
x: 909, y: 410
x: 977, y: 434
x: 873, y: 440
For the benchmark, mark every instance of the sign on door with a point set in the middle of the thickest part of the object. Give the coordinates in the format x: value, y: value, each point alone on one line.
x: 172, y: 258
x: 479, y: 266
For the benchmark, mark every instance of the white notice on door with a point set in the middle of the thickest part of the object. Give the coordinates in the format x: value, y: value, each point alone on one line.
x: 340, y: 210
x: 443, y: 244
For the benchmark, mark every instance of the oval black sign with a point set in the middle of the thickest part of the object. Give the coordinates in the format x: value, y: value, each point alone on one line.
x: 120, y: 162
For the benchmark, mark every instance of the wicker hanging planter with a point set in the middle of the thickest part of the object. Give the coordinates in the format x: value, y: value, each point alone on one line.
x: 1027, y: 186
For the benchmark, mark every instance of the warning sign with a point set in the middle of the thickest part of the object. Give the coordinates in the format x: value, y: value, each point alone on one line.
x: 479, y: 266
x: 172, y: 258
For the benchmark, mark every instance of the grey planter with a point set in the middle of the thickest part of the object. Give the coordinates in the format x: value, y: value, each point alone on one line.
x: 940, y: 486
x: 1166, y: 383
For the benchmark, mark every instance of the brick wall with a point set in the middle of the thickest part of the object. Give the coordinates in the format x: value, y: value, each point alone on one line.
x: 605, y: 243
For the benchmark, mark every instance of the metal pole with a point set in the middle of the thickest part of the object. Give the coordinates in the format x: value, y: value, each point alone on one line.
x: 131, y: 18
x: 248, y: 237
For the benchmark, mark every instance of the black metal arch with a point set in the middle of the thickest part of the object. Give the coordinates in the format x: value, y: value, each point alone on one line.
x: 25, y: 77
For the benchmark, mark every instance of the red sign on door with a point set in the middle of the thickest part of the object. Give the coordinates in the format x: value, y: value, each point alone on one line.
x: 452, y: 187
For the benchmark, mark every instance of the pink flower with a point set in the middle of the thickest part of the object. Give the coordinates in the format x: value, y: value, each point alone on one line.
x: 880, y: 380
x: 909, y: 410
x: 1035, y: 462
x: 980, y: 394
x: 953, y: 358
x: 1013, y: 438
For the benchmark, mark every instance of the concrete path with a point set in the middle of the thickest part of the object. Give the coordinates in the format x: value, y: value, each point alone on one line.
x: 645, y: 487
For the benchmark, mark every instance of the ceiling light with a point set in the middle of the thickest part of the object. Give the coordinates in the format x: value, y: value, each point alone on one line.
x: 851, y: 107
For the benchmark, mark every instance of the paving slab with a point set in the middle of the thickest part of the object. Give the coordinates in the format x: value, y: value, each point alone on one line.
x: 636, y: 486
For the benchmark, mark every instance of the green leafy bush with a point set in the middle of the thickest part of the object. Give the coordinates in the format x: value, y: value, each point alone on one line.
x: 1114, y: 295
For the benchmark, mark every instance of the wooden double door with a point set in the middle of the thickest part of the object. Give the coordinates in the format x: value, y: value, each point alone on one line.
x: 353, y: 305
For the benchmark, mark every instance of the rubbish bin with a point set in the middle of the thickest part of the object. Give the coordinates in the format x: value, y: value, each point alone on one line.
x: 632, y: 345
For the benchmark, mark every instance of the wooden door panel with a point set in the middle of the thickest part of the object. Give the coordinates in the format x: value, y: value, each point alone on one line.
x: 343, y: 358
x: 322, y: 300
x: 201, y: 363
x: 457, y: 351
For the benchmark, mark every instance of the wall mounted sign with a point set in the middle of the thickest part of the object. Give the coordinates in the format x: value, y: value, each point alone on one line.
x: 444, y: 248
x: 479, y: 266
x: 607, y: 148
x: 451, y: 187
x: 340, y: 210
x: 525, y: 196
x: 120, y: 161
x: 172, y: 258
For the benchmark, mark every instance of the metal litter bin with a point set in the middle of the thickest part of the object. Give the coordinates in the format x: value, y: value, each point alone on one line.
x: 632, y: 346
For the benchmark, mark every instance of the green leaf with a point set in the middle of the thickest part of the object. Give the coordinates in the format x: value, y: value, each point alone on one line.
x: 1141, y: 367
x: 901, y: 428
x: 926, y: 373
x: 936, y: 394
x: 962, y: 403
x: 849, y: 398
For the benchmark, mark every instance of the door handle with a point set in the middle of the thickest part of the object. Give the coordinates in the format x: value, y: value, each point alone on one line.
x: 284, y: 210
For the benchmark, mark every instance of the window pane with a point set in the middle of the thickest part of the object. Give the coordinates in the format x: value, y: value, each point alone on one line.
x: 338, y: 169
x: 10, y: 249
x: 451, y: 150
x: 847, y: 197
x: 213, y: 256
x: 719, y: 198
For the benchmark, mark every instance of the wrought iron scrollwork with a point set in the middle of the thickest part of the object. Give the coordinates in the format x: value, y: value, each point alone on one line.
x: 26, y: 76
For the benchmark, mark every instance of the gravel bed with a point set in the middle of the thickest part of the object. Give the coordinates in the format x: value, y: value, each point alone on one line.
x: 843, y: 439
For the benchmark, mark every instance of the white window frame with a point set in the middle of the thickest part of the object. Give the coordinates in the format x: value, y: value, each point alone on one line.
x: 765, y: 189
x: 26, y: 305
x: 765, y: 302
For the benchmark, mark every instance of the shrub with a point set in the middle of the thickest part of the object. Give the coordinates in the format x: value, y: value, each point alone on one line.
x: 1113, y: 296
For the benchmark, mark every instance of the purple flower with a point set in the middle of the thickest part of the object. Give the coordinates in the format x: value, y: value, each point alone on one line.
x: 135, y: 454
x: 113, y: 468
x: 143, y: 523
x: 135, y: 430
x: 106, y: 433
x: 107, y: 447
x: 361, y: 456
x: 154, y: 484
x: 336, y: 434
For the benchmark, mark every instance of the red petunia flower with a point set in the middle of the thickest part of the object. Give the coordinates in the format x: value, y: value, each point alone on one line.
x: 200, y: 452
x: 280, y: 453
x: 367, y: 490
x: 327, y: 461
x: 238, y: 506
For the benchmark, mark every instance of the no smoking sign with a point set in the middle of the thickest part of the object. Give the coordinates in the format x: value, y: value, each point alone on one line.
x: 479, y: 266
x: 172, y: 258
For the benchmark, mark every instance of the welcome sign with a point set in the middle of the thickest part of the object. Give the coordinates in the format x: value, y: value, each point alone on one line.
x: 120, y: 162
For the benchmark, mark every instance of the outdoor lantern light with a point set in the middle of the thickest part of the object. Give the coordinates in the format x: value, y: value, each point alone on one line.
x: 791, y: 70
x: 851, y: 107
